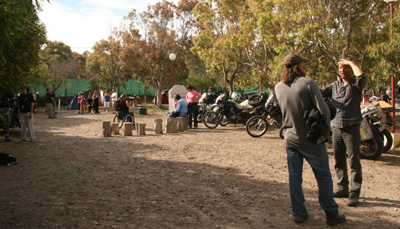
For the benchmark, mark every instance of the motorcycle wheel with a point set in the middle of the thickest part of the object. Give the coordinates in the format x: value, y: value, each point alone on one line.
x: 387, y: 140
x: 282, y: 132
x: 200, y: 117
x: 256, y: 126
x: 211, y: 119
x: 372, y: 149
x: 255, y: 100
x: 224, y: 121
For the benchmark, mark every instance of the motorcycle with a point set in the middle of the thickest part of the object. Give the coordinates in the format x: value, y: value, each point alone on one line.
x: 13, y: 108
x: 228, y: 111
x: 385, y: 134
x: 206, y: 103
x: 389, y: 122
x: 257, y: 125
x: 372, y: 130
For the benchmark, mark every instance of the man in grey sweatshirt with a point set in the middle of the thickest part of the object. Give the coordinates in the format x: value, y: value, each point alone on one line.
x: 297, y: 94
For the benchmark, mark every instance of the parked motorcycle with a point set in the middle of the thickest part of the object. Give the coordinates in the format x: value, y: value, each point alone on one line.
x: 257, y: 125
x: 372, y: 129
x: 389, y: 122
x: 385, y: 134
x: 229, y: 111
x: 14, y: 113
x: 206, y: 103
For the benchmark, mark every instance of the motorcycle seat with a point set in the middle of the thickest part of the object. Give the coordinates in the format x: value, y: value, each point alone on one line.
x: 243, y: 105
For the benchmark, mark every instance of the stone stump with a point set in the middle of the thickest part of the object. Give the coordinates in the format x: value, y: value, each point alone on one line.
x: 186, y: 122
x: 158, y: 126
x: 115, y: 128
x: 181, y: 124
x: 171, y: 125
x: 141, y: 128
x: 106, y: 130
x: 128, y: 129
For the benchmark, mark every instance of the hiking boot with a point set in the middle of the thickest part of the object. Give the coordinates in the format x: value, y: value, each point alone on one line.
x: 333, y: 220
x: 300, y: 219
x: 353, y: 199
x: 343, y: 193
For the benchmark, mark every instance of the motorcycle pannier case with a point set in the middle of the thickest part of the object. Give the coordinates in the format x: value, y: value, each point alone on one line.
x: 365, y: 130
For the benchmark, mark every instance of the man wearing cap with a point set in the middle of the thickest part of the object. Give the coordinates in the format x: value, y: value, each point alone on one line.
x: 296, y: 95
x: 346, y: 94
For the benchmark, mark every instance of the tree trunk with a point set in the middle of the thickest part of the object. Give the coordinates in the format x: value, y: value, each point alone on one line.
x: 158, y: 95
x: 145, y: 94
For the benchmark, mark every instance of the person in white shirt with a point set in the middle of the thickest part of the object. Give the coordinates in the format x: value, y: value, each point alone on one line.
x: 114, y: 98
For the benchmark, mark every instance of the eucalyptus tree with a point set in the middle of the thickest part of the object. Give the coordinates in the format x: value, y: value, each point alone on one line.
x: 327, y: 30
x: 104, y: 64
x: 220, y: 42
x: 147, y: 43
x: 22, y: 34
x: 57, y: 64
x: 186, y: 29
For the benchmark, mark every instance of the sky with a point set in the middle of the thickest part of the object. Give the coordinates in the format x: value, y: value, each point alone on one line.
x: 81, y: 23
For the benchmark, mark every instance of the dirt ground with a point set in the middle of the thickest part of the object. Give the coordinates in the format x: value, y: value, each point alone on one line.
x: 71, y: 177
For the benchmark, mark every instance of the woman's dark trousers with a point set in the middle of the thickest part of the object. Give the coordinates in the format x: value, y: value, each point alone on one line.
x: 193, y: 110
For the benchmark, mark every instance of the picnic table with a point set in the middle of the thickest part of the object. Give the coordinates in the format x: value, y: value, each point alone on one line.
x: 131, y: 101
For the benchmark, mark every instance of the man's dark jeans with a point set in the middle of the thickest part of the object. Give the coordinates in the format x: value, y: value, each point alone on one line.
x: 318, y: 159
x: 347, y: 139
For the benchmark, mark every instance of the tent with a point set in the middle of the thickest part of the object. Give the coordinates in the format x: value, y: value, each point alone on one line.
x: 73, y: 105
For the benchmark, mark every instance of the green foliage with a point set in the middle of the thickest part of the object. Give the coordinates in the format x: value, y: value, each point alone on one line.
x: 146, y: 58
x: 200, y: 83
x: 57, y: 64
x: 242, y: 43
x: 104, y: 66
x: 256, y: 36
x: 22, y: 34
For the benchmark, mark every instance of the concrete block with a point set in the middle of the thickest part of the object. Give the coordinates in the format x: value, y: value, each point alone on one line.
x: 396, y: 140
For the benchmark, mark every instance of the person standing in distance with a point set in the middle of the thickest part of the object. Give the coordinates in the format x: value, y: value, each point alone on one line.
x: 49, y: 104
x: 192, y: 97
x: 25, y: 114
x: 298, y: 94
x: 107, y: 101
x: 96, y: 102
x: 114, y: 98
x: 346, y: 94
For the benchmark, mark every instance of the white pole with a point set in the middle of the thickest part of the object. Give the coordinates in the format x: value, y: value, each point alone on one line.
x: 59, y: 102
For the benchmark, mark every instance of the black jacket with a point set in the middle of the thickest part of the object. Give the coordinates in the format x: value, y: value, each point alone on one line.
x: 316, y: 126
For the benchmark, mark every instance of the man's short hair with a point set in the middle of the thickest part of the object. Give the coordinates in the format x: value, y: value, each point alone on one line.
x: 177, y: 97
